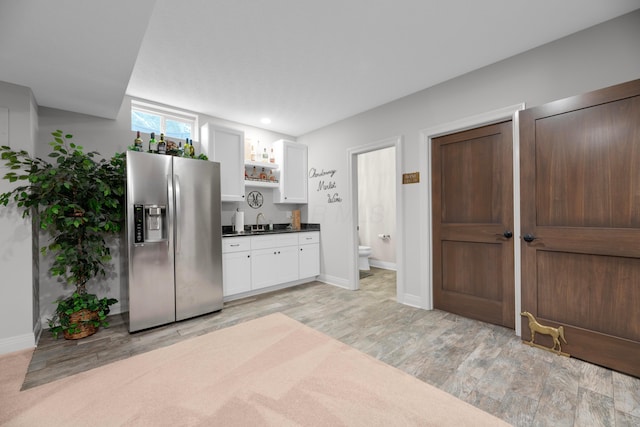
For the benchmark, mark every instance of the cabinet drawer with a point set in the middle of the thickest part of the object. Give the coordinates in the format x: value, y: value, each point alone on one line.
x: 235, y: 244
x: 274, y: 240
x: 309, y: 237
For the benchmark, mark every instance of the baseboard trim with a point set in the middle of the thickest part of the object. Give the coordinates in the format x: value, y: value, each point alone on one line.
x: 37, y: 332
x: 382, y: 264
x: 412, y: 301
x: 256, y: 292
x: 335, y: 281
x: 17, y: 343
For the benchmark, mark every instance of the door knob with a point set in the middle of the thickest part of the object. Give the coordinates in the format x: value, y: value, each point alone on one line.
x: 508, y: 234
x: 529, y: 238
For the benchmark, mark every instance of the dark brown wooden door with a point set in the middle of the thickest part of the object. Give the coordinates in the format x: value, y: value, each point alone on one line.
x: 473, y: 224
x: 580, y: 194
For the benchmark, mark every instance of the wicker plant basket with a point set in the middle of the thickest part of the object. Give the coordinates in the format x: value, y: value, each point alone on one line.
x: 85, y: 329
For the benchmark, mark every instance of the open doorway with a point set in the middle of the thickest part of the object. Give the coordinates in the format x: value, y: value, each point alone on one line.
x: 376, y: 216
x: 376, y: 210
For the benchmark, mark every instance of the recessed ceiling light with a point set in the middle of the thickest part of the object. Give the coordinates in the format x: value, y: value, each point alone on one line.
x: 265, y: 120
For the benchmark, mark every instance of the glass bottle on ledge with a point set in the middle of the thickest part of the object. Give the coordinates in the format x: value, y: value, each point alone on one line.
x: 162, y: 145
x: 137, y: 143
x: 153, y: 144
x: 188, y: 148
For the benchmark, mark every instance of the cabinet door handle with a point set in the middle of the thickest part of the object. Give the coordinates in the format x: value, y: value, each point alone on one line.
x: 237, y: 244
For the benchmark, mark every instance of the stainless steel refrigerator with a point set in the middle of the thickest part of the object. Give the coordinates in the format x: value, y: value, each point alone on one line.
x: 172, y: 242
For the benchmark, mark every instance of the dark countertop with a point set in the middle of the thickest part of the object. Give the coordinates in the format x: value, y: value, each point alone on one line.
x: 227, y: 230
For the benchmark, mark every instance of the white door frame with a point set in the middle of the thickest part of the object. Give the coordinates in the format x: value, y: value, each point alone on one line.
x: 426, y: 224
x: 395, y: 141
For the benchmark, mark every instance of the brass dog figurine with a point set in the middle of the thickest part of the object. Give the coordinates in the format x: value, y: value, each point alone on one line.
x: 556, y: 334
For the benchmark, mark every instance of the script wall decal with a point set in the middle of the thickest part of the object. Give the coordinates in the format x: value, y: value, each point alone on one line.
x: 326, y: 183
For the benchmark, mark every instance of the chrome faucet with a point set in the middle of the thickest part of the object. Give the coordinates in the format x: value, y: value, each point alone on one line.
x: 260, y: 214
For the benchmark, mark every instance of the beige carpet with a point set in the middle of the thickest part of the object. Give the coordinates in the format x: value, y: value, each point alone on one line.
x: 272, y: 371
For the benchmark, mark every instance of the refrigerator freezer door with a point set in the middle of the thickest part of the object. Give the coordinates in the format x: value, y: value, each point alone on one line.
x: 151, y: 273
x: 198, y: 237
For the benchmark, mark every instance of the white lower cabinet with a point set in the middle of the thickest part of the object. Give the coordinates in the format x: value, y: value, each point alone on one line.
x: 262, y: 269
x: 236, y: 265
x: 275, y: 259
x: 274, y: 266
x: 308, y: 254
x: 288, y: 264
x: 251, y: 263
x: 236, y: 272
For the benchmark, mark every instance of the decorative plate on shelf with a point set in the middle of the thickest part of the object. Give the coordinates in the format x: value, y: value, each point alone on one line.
x: 255, y: 199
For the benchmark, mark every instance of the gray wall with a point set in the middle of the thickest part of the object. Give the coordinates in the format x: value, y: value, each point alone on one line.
x: 18, y: 290
x: 591, y: 59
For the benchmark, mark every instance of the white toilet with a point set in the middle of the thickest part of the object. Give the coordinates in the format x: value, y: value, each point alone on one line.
x: 364, y: 252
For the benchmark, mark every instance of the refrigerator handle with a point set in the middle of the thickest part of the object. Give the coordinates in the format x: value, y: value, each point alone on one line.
x: 171, y: 214
x: 177, y: 214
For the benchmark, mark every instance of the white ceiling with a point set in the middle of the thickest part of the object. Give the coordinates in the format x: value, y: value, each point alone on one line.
x: 303, y: 63
x: 74, y: 55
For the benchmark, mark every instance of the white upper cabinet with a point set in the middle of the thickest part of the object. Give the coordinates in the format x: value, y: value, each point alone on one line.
x: 292, y: 158
x: 226, y: 146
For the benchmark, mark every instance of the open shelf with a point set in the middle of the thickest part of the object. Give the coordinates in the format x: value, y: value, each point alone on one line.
x: 263, y: 184
x: 261, y: 165
x: 257, y: 168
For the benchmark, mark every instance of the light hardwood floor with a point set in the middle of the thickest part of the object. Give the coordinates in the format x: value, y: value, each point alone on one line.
x: 483, y: 364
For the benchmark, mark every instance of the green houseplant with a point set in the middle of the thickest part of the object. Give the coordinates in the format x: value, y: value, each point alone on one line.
x: 77, y: 200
